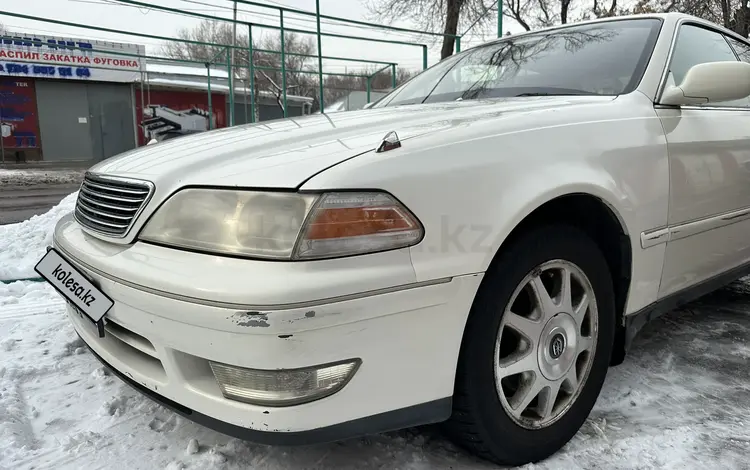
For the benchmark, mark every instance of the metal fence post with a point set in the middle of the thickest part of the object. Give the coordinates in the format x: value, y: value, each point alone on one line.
x: 210, y: 104
x: 283, y: 61
x: 284, y: 28
x: 500, y: 18
x: 319, y: 33
x: 143, y: 109
x: 251, y: 69
x: 320, y: 55
x: 393, y: 76
x: 231, y: 88
x: 369, y: 86
x: 244, y: 85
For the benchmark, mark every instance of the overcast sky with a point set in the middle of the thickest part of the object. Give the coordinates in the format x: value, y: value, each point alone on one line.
x: 107, y: 14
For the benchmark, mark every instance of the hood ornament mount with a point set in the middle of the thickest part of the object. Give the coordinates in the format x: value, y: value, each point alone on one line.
x: 389, y: 142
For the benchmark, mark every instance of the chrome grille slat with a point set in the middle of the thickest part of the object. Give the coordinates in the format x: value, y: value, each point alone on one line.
x: 107, y: 205
x: 111, y: 198
x: 87, y: 208
x: 97, y: 222
x: 135, y: 192
x: 110, y: 205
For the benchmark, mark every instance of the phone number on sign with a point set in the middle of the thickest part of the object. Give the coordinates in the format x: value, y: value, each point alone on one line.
x: 45, y: 70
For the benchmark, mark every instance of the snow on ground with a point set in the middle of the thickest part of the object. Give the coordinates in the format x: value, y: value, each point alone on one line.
x: 680, y: 401
x: 23, y: 244
x: 34, y: 176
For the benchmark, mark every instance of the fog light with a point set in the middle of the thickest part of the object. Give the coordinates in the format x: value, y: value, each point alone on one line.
x: 283, y: 387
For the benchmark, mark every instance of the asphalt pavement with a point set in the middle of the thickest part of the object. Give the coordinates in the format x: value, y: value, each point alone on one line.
x: 18, y: 203
x: 25, y: 192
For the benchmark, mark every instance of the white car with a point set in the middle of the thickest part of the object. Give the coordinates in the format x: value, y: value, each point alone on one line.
x: 475, y: 249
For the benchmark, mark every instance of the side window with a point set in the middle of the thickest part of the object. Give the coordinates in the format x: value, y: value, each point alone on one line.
x: 742, y: 49
x: 696, y: 45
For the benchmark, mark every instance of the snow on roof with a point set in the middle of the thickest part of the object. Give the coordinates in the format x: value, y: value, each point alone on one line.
x: 218, y: 87
x: 194, y: 77
x: 194, y: 70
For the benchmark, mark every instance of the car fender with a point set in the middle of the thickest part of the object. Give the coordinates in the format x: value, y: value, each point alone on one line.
x: 472, y: 184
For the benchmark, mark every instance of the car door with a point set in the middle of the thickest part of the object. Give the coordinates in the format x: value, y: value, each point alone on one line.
x: 709, y: 170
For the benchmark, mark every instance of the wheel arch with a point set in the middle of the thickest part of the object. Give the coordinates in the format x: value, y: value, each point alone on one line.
x: 600, y: 220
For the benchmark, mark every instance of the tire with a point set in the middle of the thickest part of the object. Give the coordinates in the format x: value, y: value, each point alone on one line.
x: 483, y: 420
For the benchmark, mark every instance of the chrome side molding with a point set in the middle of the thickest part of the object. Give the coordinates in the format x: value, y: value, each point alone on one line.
x: 660, y: 235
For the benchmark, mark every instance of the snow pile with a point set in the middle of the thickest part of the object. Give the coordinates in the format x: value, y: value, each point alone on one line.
x: 15, y: 433
x: 26, y: 294
x: 679, y: 402
x: 23, y: 244
x: 39, y: 176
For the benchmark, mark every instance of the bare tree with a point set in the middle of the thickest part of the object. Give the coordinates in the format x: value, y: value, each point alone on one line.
x: 296, y: 48
x: 301, y: 76
x: 740, y: 18
x: 206, y: 31
x: 266, y: 56
x: 520, y: 11
x: 446, y: 16
x: 532, y: 14
x: 337, y: 86
x: 732, y: 14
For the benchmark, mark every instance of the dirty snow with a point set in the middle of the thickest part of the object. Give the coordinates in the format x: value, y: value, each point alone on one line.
x: 680, y: 401
x: 35, y: 176
x: 22, y: 244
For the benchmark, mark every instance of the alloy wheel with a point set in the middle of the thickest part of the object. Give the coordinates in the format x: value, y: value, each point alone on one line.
x: 545, y: 344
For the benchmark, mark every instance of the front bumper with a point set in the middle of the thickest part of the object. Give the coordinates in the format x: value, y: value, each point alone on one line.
x: 424, y: 413
x: 408, y: 340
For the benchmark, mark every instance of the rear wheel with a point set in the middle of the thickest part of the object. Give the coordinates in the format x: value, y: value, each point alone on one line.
x: 536, y: 347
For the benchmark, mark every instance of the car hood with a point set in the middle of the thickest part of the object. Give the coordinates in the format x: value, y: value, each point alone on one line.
x: 284, y: 153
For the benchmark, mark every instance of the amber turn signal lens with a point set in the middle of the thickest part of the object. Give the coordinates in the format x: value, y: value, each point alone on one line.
x: 354, y: 223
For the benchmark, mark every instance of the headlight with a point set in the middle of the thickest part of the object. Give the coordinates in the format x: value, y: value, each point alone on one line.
x: 277, y: 225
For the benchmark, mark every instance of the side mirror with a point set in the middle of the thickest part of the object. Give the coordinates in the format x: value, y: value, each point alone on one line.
x: 710, y: 83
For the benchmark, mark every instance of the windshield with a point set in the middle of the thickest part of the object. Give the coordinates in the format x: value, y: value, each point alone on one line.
x: 605, y: 58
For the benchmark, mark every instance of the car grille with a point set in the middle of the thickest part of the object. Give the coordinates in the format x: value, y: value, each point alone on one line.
x: 110, y: 205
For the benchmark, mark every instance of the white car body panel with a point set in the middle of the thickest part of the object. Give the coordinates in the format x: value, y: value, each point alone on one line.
x: 613, y: 149
x: 709, y: 154
x: 676, y: 180
x: 710, y: 174
x: 243, y: 283
x: 433, y: 134
x: 380, y: 329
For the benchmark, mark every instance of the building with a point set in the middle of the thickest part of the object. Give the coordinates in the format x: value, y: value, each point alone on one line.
x: 183, y: 90
x: 65, y: 100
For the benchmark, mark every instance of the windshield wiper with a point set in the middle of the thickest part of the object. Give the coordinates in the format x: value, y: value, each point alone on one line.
x: 560, y: 93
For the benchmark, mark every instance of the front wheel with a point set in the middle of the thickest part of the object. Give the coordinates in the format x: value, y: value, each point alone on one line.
x: 536, y: 347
